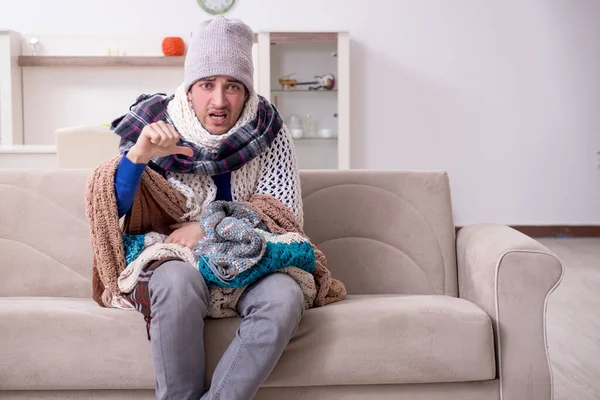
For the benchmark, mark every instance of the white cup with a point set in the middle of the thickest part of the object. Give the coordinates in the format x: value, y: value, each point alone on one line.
x: 325, y: 133
x: 296, y: 133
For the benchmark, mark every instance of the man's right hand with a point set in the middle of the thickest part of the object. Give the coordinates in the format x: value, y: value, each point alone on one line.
x: 158, y: 139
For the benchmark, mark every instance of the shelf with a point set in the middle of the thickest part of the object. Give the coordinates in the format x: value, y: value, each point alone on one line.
x: 316, y: 138
x: 100, y: 61
x: 158, y: 61
x: 303, y: 37
x: 303, y: 90
x: 28, y: 149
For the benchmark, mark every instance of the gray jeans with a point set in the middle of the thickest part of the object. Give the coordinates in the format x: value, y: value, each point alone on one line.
x: 270, y: 309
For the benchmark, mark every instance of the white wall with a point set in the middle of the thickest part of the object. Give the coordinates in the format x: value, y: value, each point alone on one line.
x: 503, y: 94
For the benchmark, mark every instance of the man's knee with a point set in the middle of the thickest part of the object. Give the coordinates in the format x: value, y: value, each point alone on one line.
x: 283, y: 299
x: 178, y: 277
x: 292, y: 297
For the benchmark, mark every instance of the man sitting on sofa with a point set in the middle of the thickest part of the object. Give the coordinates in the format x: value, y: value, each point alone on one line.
x: 215, y: 139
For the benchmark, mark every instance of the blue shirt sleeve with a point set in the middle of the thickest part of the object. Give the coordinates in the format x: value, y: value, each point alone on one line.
x: 127, y: 180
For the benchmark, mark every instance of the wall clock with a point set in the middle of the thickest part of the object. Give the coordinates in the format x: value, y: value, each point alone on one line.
x: 216, y: 7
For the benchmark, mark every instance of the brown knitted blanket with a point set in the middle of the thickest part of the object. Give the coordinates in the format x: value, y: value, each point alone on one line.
x: 156, y: 206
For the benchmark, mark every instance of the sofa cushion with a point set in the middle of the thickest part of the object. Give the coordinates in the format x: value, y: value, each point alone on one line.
x: 379, y: 339
x: 67, y: 343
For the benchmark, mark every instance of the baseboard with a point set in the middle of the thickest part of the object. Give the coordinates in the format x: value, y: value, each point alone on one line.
x: 556, y: 230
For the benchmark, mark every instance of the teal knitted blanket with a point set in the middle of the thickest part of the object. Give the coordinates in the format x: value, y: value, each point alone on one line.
x: 236, y: 250
x: 281, y: 251
x: 133, y: 245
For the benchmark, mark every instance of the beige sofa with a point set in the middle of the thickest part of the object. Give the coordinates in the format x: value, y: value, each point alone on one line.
x: 429, y: 316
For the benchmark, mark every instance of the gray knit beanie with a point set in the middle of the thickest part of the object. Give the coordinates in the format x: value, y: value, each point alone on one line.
x: 220, y: 47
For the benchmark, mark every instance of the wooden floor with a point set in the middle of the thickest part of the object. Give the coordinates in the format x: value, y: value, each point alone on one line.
x: 573, y: 320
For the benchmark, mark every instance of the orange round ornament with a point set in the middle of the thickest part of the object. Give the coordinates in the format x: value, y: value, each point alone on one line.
x: 173, y: 46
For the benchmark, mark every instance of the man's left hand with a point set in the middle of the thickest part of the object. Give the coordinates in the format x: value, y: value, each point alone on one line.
x: 186, y: 234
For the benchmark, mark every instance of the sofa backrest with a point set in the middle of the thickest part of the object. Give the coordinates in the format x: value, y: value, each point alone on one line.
x: 45, y: 248
x: 383, y: 232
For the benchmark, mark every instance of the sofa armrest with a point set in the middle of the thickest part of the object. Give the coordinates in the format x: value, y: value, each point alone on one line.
x: 510, y: 276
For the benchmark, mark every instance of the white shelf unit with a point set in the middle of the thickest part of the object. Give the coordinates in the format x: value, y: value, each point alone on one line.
x: 80, y: 76
x: 11, y: 92
x: 306, y: 55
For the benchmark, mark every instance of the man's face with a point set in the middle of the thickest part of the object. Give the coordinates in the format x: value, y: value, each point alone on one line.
x: 218, y: 102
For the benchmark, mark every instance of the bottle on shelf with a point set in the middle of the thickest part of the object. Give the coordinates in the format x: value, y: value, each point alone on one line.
x: 308, y: 125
